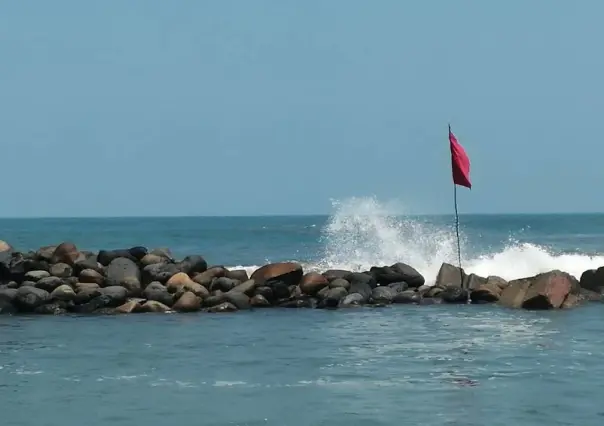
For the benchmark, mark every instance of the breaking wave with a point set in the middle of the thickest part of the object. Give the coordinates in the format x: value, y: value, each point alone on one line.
x: 362, y: 232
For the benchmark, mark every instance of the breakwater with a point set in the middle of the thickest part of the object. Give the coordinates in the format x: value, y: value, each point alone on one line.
x: 62, y: 279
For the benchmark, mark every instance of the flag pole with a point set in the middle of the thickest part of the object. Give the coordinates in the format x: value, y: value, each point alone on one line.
x: 461, y: 283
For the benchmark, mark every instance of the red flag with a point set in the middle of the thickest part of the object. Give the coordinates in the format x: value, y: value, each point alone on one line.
x: 460, y: 163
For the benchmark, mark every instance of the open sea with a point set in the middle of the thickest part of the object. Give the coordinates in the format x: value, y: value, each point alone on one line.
x: 416, y: 365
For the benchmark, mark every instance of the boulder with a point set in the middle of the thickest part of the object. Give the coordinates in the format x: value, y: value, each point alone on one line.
x: 36, y: 276
x: 61, y: 270
x: 105, y: 257
x: 265, y: 292
x: 593, y: 280
x: 117, y: 295
x: 65, y: 252
x: 8, y: 294
x: 49, y: 283
x: 163, y: 252
x: 96, y: 304
x: 399, y: 272
x: 334, y: 296
x: 382, y: 295
x: 181, y: 282
x: 157, y: 292
x: 206, y: 278
x: 188, y: 302
x: 355, y: 278
x: 138, y: 252
x: 91, y: 276
x: 240, y: 275
x: 29, y: 298
x: 339, y: 282
x: 246, y: 287
x: 361, y: 288
x: 287, y: 273
x: 124, y: 272
x: 151, y: 259
x: 85, y: 295
x: 45, y: 253
x: 214, y: 299
x: 549, y: 290
x: 406, y: 297
x: 63, y: 293
x: 513, y: 295
x: 352, y: 300
x: 223, y: 307
x: 239, y: 299
x: 312, y: 282
x: 87, y: 263
x: 130, y: 307
x: 12, y: 266
x: 259, y: 301
x: 333, y: 274
x: 193, y: 265
x: 398, y: 286
x: 161, y: 272
x: 454, y: 295
x: 154, y: 306
x: 35, y: 265
x: 223, y: 284
x: 488, y: 292
x: 450, y: 275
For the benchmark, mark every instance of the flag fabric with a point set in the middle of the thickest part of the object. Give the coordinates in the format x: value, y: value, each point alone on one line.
x: 460, y: 163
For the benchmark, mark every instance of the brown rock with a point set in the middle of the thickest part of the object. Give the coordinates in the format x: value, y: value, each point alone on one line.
x: 288, y: 273
x: 151, y: 259
x: 548, y: 290
x: 450, y: 275
x: 259, y: 301
x: 205, y: 278
x: 240, y: 275
x: 64, y: 293
x: 181, y: 282
x: 513, y: 295
x: 571, y: 301
x: 91, y: 276
x: 154, y: 306
x: 130, y: 307
x: 223, y: 307
x: 61, y: 270
x: 488, y: 292
x: 86, y: 286
x: 45, y: 253
x: 246, y: 287
x: 312, y: 283
x: 188, y: 302
x: 65, y: 252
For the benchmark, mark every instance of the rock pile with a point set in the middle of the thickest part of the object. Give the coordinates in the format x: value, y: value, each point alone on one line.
x: 62, y: 279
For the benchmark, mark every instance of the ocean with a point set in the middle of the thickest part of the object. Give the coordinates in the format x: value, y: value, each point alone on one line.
x: 423, y: 365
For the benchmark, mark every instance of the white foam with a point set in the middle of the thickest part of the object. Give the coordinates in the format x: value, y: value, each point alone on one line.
x: 362, y: 232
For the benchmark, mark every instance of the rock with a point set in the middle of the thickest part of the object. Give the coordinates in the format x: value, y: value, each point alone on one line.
x: 549, y: 290
x: 87, y: 263
x: 334, y: 274
x: 406, y: 297
x: 571, y: 301
x: 130, y: 307
x: 450, y: 275
x: 65, y: 252
x: 513, y: 295
x: 7, y: 308
x: 8, y: 294
x: 453, y: 294
x: 382, y: 295
x: 95, y: 304
x: 151, y: 259
x: 215, y: 299
x: 248, y: 287
x: 322, y: 294
x: 28, y: 284
x: 240, y: 275
x: 265, y: 292
x: 339, y: 282
x: 12, y: 284
x: 312, y: 282
x: 91, y: 276
x: 181, y: 282
x: 85, y: 295
x: 63, y: 293
x: 36, y: 276
x: 193, y: 265
x: 12, y: 266
x: 287, y: 273
x: 188, y: 302
x: 159, y: 293
x: 49, y: 283
x: 206, y: 278
x: 361, y: 278
x: 61, y: 270
x: 223, y: 284
x: 399, y: 272
x: 362, y: 288
x: 431, y: 300
x: 5, y: 247
x: 352, y: 300
x: 29, y: 298
x: 163, y: 252
x: 117, y: 295
x: 488, y: 292
x: 154, y: 306
x: 45, y: 253
x: 223, y: 307
x: 334, y: 297
x: 35, y: 265
x: 50, y: 309
x: 85, y: 286
x: 259, y: 301
x: 124, y: 272
x: 304, y: 302
x: 474, y: 281
x: 138, y: 252
x: 398, y: 287
x: 161, y: 272
x: 105, y: 257
x: 237, y: 298
x: 593, y: 280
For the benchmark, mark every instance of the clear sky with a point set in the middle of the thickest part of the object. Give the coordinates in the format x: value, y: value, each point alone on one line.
x: 275, y: 107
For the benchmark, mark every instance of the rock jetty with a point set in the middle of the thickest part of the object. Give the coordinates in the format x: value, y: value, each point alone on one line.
x: 65, y: 280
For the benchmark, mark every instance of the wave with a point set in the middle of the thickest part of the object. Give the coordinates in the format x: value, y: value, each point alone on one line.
x: 362, y: 232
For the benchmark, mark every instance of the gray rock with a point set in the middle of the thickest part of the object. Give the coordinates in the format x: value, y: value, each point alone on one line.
x: 382, y: 295
x: 61, y: 270
x: 49, y: 283
x: 116, y: 294
x: 36, y: 276
x: 29, y: 298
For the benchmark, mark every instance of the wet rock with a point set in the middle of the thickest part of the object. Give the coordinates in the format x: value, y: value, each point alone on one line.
x: 265, y: 292
x: 181, y: 282
x: 105, y: 257
x: 163, y: 252
x: 29, y: 298
x: 287, y: 273
x: 335, y: 296
x: 303, y: 302
x: 223, y: 284
x: 160, y: 272
x: 36, y: 276
x: 247, y: 287
x: 474, y: 281
x: 489, y: 292
x: 312, y: 282
x: 430, y: 301
x: 12, y: 284
x: 87, y: 263
x: 188, y: 302
x: 454, y: 295
x: 572, y: 301
x: 215, y: 299
x: 151, y: 259
x: 259, y: 301
x: 240, y: 275
x: 365, y: 280
x: 361, y: 288
x: 130, y: 307
x: 117, y: 295
x: 50, y: 309
x: 513, y: 295
x: 138, y: 252
x: 223, y: 307
x: 85, y: 295
x: 239, y: 299
x: 124, y: 272
x: 94, y: 305
x: 8, y: 294
x: 382, y: 295
x: 61, y: 270
x: 153, y: 306
x: 91, y: 276
x: 353, y: 300
x: 191, y: 265
x: 406, y: 297
x: 398, y: 286
x: 12, y: 266
x: 65, y: 252
x: 399, y: 272
x: 549, y: 290
x: 593, y: 280
x: 334, y: 274
x: 64, y: 293
x: 339, y: 282
x: 206, y: 278
x: 450, y: 275
x: 49, y: 283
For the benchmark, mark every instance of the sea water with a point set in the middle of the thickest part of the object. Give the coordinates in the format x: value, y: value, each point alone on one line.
x: 424, y: 365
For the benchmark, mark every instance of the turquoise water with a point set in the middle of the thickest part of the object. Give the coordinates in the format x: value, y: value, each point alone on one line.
x: 428, y: 365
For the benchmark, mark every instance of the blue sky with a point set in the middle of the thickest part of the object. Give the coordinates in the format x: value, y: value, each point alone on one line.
x: 275, y: 107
